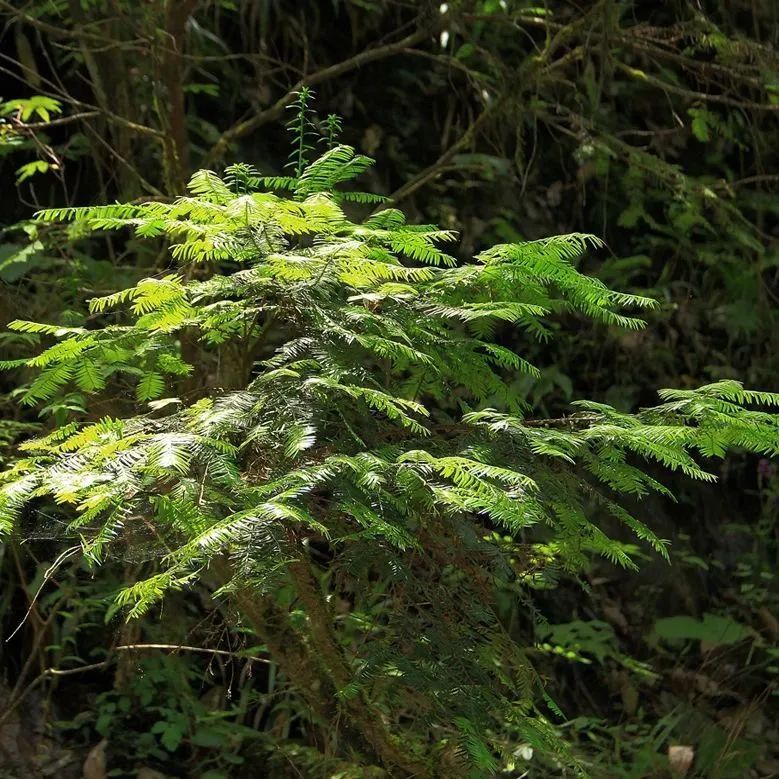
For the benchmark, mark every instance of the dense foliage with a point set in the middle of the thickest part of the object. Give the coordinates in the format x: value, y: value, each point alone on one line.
x: 280, y: 409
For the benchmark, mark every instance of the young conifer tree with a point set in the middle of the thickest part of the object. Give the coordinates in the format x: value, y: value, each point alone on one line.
x: 324, y: 417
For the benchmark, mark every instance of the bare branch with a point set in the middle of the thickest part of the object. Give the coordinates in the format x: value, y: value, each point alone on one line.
x: 442, y: 163
x: 55, y: 122
x: 333, y: 71
x: 640, y: 75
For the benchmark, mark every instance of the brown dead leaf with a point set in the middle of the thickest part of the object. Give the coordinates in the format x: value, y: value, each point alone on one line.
x: 680, y: 759
x: 614, y: 615
x: 96, y: 761
x: 372, y: 138
x: 770, y: 623
x: 629, y: 695
x: 149, y: 773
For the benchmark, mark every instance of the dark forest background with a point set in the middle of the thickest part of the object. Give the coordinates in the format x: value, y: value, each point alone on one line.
x: 651, y: 124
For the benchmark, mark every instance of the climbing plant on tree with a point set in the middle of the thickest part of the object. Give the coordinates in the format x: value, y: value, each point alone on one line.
x: 341, y: 455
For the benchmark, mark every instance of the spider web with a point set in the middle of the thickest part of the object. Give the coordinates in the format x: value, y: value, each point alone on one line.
x: 136, y: 544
